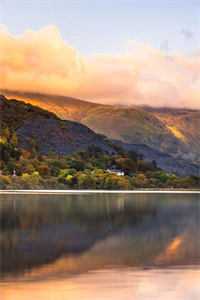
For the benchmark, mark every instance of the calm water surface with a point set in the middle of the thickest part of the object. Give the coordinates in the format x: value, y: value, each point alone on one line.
x: 100, y: 246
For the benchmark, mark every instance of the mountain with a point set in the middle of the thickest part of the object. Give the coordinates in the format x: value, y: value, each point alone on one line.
x: 185, y: 125
x: 64, y: 107
x: 171, y: 131
x: 163, y: 160
x: 45, y: 130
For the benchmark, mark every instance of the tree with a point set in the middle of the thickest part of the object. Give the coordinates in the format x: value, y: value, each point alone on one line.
x: 162, y: 176
x: 77, y: 164
x: 113, y: 181
x: 31, y: 180
x: 14, y: 139
x: 6, y: 133
x: 140, y: 181
x: 84, y: 181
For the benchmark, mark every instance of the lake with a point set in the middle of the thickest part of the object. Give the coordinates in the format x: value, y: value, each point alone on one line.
x: 100, y: 246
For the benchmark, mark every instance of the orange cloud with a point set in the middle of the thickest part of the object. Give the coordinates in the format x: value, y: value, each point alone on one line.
x: 38, y: 61
x: 41, y: 61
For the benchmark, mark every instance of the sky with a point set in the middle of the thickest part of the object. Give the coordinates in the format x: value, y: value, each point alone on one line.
x: 136, y: 51
x: 171, y: 24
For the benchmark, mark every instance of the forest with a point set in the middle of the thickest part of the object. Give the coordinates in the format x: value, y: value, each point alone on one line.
x: 92, y: 168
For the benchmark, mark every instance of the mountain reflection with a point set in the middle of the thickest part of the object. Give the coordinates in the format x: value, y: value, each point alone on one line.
x: 49, y: 235
x: 180, y: 284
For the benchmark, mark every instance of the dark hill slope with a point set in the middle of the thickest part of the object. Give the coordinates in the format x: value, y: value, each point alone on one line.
x: 164, y: 161
x: 49, y: 133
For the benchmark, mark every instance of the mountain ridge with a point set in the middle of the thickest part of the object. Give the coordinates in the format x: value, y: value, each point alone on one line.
x: 169, y: 130
x: 64, y: 137
x: 48, y: 131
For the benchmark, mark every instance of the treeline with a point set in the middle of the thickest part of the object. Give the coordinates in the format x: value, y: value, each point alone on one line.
x: 89, y: 169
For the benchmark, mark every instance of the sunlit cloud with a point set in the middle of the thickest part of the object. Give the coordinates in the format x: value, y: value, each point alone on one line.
x: 41, y: 61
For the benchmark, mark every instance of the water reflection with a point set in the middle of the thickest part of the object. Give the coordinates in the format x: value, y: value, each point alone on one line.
x: 53, y: 236
x: 117, y: 284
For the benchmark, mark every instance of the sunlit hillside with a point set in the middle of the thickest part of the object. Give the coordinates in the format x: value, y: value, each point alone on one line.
x: 172, y: 131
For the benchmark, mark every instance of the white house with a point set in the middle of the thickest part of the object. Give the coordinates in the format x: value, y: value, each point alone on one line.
x: 117, y: 172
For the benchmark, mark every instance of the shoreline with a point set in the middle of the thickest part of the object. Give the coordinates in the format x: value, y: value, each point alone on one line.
x: 63, y: 192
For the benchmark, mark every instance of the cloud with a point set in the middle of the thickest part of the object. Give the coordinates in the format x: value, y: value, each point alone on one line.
x: 41, y: 61
x: 188, y: 35
x: 38, y: 61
